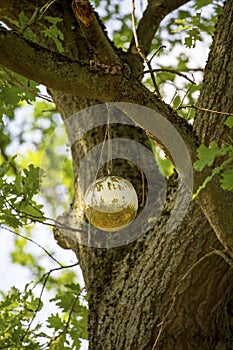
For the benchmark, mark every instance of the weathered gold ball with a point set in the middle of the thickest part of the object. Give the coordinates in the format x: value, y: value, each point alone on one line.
x: 111, y: 203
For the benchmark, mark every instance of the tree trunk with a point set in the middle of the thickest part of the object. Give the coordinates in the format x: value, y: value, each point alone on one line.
x: 164, y: 290
x: 216, y: 95
x: 167, y: 291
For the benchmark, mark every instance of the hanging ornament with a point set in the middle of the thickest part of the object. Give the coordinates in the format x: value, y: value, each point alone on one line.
x: 111, y: 203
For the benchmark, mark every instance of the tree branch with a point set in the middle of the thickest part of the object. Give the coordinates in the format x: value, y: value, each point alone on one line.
x: 173, y: 71
x: 34, y: 242
x: 87, y: 79
x: 97, y: 40
x: 91, y: 80
x: 150, y: 21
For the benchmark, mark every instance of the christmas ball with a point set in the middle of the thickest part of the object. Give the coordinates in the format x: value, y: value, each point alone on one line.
x: 111, y: 203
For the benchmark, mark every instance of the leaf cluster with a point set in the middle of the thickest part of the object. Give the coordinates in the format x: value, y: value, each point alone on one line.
x: 17, y: 206
x: 196, y: 26
x: 14, y: 90
x: 48, y: 27
x: 211, y: 157
x: 70, y: 325
x: 16, y: 310
x: 192, y: 28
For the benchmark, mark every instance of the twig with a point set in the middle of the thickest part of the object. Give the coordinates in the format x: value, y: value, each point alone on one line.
x: 39, y: 15
x: 45, y: 277
x: 205, y: 110
x: 39, y: 219
x: 169, y: 71
x: 68, y: 320
x: 45, y: 7
x: 15, y: 81
x: 6, y: 346
x: 10, y: 161
x: 215, y: 172
x: 186, y: 93
x: 135, y: 34
x: 173, y: 97
x: 47, y: 274
x: 148, y: 62
x: 157, y: 51
x: 34, y: 242
x: 143, y: 188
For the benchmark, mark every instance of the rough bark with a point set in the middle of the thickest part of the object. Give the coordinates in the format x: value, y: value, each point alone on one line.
x: 164, y: 291
x: 216, y: 95
x: 137, y: 291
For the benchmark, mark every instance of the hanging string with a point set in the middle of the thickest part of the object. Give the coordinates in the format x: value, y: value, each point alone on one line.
x: 108, y: 129
x: 107, y: 136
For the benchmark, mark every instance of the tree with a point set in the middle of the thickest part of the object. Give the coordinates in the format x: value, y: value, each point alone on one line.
x: 165, y: 290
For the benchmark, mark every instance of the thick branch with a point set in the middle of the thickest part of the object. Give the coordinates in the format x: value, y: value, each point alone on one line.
x: 57, y: 71
x: 97, y: 81
x: 150, y: 21
x: 98, y: 42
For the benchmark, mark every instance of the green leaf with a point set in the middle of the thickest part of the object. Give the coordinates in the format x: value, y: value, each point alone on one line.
x: 192, y: 26
x: 32, y: 211
x: 54, y: 33
x: 22, y: 258
x: 216, y: 171
x: 193, y: 36
x: 17, y: 206
x: 9, y: 19
x: 7, y: 218
x: 59, y: 344
x: 207, y: 155
x: 54, y: 321
x: 18, y: 183
x: 180, y: 27
x: 229, y: 121
x: 4, y: 167
x: 227, y: 180
x: 23, y: 20
x: 64, y: 300
x: 31, y: 182
x: 201, y: 3
x: 176, y: 102
x: 22, y: 23
x: 26, y: 21
x: 14, y: 89
x: 180, y: 21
